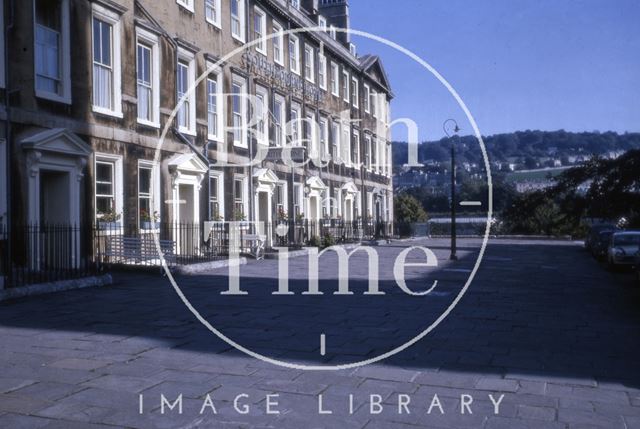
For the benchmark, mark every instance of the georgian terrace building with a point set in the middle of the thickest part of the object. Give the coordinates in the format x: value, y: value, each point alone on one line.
x: 91, y: 84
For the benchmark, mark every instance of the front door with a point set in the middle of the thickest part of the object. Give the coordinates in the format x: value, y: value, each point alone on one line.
x: 56, y: 239
x: 187, y: 228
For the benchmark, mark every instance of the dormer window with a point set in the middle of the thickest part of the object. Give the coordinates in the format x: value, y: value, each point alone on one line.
x: 295, y: 4
x: 322, y: 23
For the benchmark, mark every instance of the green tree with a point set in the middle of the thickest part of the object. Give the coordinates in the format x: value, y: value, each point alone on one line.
x: 407, y: 209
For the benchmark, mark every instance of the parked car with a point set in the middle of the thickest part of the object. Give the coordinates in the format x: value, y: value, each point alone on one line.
x: 600, y: 245
x: 623, y: 247
x: 592, y: 235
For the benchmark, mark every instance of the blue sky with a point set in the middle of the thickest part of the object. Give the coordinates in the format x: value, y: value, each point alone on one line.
x: 535, y: 64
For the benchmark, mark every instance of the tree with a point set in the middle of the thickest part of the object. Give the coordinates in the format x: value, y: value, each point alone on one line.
x: 407, y: 209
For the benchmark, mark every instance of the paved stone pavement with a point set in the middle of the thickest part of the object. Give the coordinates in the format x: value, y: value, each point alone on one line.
x: 542, y: 324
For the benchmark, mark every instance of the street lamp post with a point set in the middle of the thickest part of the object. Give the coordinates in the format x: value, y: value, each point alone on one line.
x: 455, y: 130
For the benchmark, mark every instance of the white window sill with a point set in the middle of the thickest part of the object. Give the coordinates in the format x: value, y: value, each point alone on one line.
x: 186, y: 7
x: 324, y: 88
x: 53, y: 97
x: 107, y: 112
x: 216, y: 139
x: 262, y: 51
x: 240, y: 144
x: 187, y: 131
x: 335, y: 95
x: 356, y: 107
x: 238, y: 38
x: 280, y: 63
x: 296, y: 72
x: 310, y: 80
x: 148, y: 123
x: 215, y: 24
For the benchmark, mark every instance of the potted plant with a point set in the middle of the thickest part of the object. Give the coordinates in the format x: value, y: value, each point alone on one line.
x: 109, y: 220
x: 283, y: 216
x: 149, y: 220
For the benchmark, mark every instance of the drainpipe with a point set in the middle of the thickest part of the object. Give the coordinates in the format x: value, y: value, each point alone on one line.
x: 7, y: 105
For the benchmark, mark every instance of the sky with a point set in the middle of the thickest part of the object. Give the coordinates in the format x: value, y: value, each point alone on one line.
x: 517, y: 65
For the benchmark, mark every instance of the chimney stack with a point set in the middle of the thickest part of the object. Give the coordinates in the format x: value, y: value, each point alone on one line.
x: 337, y: 14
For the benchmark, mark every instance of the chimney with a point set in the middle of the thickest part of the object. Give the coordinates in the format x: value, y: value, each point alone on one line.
x: 310, y: 6
x: 337, y: 14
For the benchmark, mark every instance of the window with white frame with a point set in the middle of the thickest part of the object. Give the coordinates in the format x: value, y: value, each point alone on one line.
x: 295, y: 3
x: 148, y: 195
x: 262, y: 115
x: 278, y: 43
x: 187, y: 4
x: 259, y: 30
x: 322, y: 22
x: 335, y: 79
x: 345, y: 86
x: 356, y: 147
x: 337, y: 203
x: 280, y: 197
x: 212, y: 12
x: 346, y: 143
x: 216, y: 195
x: 294, y: 125
x: 239, y: 198
x: 239, y: 108
x: 148, y: 77
x: 335, y: 141
x: 332, y: 32
x: 309, y: 63
x: 297, y: 200
x: 367, y: 98
x: 237, y: 20
x: 294, y: 54
x: 355, y: 92
x: 322, y: 71
x: 374, y: 154
x: 367, y: 151
x: 279, y: 120
x: 374, y: 107
x: 214, y: 107
x: 52, y: 58
x: 186, y: 76
x: 107, y: 93
x: 310, y: 134
x: 108, y: 187
x: 324, y: 136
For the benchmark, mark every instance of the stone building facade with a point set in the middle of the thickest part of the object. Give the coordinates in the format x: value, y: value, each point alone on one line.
x: 91, y: 86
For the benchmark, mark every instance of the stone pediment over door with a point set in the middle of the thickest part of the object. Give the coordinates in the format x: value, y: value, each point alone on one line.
x: 59, y: 141
x: 187, y: 164
x: 265, y: 180
x: 350, y: 188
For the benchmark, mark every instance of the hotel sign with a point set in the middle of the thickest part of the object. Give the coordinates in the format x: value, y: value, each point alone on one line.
x: 281, y: 78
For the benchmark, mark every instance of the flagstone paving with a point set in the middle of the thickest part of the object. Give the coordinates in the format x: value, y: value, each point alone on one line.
x: 542, y: 324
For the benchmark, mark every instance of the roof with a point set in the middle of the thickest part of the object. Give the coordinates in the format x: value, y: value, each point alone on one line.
x: 368, y: 63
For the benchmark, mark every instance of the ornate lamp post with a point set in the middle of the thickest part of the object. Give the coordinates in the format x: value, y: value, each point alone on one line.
x: 446, y: 126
